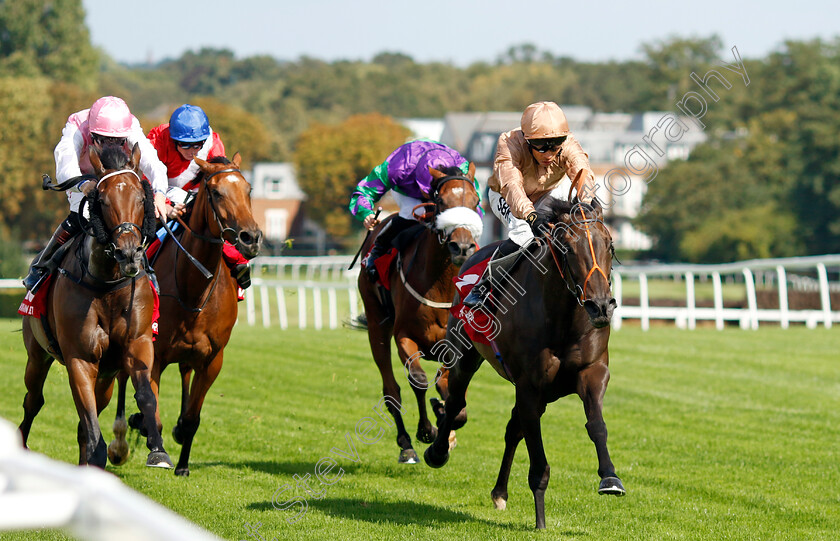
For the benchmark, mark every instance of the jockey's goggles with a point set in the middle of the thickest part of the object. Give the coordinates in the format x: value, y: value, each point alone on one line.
x: 104, y: 140
x: 188, y: 145
x: 546, y: 145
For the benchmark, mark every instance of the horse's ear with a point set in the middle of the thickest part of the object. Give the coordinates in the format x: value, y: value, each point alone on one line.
x: 237, y: 159
x: 471, y: 171
x: 436, y: 175
x: 135, y: 156
x: 204, y: 166
x: 94, y: 160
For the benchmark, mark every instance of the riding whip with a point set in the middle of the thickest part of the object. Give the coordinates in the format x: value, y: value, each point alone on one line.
x: 375, y: 217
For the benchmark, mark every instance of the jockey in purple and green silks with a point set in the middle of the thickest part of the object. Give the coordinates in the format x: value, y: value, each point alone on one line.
x: 406, y: 173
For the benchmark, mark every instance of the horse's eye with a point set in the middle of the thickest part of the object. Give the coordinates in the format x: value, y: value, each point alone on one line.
x: 216, y: 194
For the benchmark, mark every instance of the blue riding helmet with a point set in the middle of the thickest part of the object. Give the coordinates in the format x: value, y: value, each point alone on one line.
x: 189, y: 123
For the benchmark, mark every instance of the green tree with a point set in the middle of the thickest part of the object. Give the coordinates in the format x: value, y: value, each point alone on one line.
x: 48, y: 38
x: 330, y: 160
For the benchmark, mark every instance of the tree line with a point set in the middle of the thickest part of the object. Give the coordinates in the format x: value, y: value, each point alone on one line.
x: 765, y: 184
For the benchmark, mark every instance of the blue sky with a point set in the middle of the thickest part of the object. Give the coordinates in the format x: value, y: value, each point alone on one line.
x: 460, y: 32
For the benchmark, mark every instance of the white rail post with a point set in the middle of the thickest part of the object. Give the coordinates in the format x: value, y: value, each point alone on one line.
x: 690, y: 300
x: 825, y: 296
x: 644, y: 302
x: 266, y: 307
x: 331, y: 298
x: 301, y: 307
x: 751, y: 301
x: 282, y: 315
x: 316, y: 307
x: 784, y: 317
x: 249, y: 307
x: 354, y: 303
x: 718, y: 289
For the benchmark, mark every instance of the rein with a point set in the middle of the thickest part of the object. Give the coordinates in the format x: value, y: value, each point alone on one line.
x: 211, y: 240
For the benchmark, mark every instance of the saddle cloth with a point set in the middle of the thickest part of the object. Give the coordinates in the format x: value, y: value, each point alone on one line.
x: 478, y: 324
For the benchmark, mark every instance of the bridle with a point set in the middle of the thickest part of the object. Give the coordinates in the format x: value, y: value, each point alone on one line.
x: 429, y: 218
x: 215, y: 211
x: 578, y: 292
x: 121, y: 229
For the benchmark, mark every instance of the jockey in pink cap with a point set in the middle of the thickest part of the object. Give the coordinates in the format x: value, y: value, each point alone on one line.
x: 107, y: 122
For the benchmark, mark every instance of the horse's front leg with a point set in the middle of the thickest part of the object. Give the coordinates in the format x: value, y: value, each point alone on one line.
x: 82, y: 378
x: 37, y: 367
x: 437, y: 454
x: 118, y: 449
x: 530, y: 407
x: 592, y: 384
x: 410, y: 356
x: 138, y: 363
x: 190, y: 418
x: 379, y: 336
x: 513, y: 435
x: 186, y: 375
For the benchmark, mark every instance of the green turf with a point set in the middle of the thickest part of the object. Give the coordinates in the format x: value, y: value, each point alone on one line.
x: 716, y: 435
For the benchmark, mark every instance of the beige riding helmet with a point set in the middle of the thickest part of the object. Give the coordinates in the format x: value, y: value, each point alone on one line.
x: 544, y: 120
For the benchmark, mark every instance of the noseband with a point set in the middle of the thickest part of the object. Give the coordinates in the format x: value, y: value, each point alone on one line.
x: 578, y: 292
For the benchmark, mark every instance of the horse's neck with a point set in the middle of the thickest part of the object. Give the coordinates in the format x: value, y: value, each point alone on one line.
x: 435, y: 260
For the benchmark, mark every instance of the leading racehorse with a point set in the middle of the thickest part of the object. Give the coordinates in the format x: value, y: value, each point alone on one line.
x: 421, y: 289
x: 99, y: 309
x: 547, y: 332
x: 198, y: 312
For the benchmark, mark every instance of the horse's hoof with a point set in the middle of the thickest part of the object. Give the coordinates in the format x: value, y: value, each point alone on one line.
x: 159, y: 459
x: 435, y: 462
x: 499, y: 503
x: 611, y: 485
x: 408, y: 456
x: 453, y: 441
x: 182, y: 472
x: 118, y: 452
x: 427, y: 436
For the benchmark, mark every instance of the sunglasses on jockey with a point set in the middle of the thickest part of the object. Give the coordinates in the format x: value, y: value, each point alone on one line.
x: 187, y: 145
x: 546, y: 145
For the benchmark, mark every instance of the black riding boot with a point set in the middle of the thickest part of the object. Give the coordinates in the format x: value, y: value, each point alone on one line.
x: 42, y: 265
x: 382, y: 244
x: 478, y: 294
x: 242, y: 274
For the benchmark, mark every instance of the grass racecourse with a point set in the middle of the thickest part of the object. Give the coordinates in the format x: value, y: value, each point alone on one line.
x: 716, y: 435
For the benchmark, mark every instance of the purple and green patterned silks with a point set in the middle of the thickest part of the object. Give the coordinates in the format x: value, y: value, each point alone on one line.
x: 406, y: 171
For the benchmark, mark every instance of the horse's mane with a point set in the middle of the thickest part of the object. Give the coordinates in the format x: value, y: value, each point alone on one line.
x: 113, y: 157
x: 219, y: 159
x: 556, y: 209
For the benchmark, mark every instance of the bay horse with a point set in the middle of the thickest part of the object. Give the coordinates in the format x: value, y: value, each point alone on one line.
x: 99, y: 309
x: 549, y: 342
x: 198, y: 313
x: 421, y: 289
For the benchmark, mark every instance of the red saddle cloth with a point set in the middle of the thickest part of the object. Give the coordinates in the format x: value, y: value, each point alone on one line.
x: 383, y: 266
x: 478, y: 323
x: 36, y: 305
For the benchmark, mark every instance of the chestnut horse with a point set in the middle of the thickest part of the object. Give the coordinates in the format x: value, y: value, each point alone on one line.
x: 549, y: 342
x: 99, y: 309
x: 198, y: 313
x: 421, y: 291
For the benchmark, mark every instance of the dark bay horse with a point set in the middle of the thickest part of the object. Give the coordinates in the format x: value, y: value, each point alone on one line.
x: 198, y: 313
x: 551, y: 331
x: 422, y: 290
x: 99, y: 316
